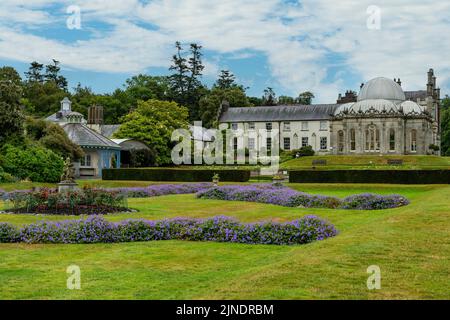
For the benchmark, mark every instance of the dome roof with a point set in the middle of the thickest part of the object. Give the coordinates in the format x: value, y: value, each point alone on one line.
x: 382, y: 88
x: 411, y: 107
x: 373, y: 105
x: 343, y: 108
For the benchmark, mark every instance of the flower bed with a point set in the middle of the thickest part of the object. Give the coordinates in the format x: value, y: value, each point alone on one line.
x: 368, y: 201
x: 49, y: 201
x: 161, y: 189
x: 280, y: 195
x: 219, y: 229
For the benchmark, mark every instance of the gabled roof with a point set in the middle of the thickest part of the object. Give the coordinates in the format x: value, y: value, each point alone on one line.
x: 85, y: 137
x: 279, y: 113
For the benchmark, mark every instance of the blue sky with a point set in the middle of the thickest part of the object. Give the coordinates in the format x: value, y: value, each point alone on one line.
x: 322, y: 46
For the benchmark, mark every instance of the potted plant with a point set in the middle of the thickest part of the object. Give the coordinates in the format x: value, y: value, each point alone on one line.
x: 216, y: 179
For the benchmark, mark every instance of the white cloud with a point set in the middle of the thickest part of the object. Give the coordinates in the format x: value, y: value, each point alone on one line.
x: 299, y: 40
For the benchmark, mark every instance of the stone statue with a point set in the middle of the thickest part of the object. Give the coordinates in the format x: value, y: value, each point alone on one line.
x: 68, y: 175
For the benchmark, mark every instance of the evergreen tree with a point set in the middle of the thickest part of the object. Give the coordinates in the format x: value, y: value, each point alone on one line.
x: 179, y: 79
x: 52, y: 74
x: 226, y: 80
x: 34, y: 73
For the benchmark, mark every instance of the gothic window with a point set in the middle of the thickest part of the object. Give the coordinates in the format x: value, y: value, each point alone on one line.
x: 305, y: 141
x: 251, y: 143
x: 352, y: 139
x: 251, y: 126
x: 269, y: 126
x: 234, y: 126
x: 269, y: 144
x: 287, y: 144
x: 392, y: 140
x: 372, y: 138
x: 413, y: 140
x: 341, y: 141
x: 323, y: 143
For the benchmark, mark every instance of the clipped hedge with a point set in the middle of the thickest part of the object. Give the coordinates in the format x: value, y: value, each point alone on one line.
x: 371, y: 176
x: 173, y: 174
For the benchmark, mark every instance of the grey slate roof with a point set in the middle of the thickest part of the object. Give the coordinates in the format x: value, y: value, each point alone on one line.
x: 59, y: 116
x: 86, y: 137
x: 109, y: 129
x: 279, y: 113
x: 414, y: 95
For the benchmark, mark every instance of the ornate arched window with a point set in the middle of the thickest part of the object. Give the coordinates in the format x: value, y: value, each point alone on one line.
x: 352, y: 139
x: 341, y: 141
x: 372, y: 138
x: 413, y: 140
x: 392, y: 144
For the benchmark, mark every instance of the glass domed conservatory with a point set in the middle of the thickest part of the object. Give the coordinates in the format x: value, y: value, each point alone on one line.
x: 382, y: 121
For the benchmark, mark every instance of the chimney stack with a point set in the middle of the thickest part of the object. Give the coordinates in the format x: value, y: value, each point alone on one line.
x: 95, y: 115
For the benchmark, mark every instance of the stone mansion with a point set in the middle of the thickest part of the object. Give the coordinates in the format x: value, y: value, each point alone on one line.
x: 382, y: 119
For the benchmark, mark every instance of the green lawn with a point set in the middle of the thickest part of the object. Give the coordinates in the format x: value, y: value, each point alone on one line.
x: 368, y: 162
x: 410, y: 244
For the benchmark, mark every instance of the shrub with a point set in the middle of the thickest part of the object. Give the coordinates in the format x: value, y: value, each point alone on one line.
x: 9, y: 233
x: 32, y: 162
x: 5, y: 177
x: 370, y: 201
x: 306, y: 151
x: 174, y: 174
x: 218, y: 229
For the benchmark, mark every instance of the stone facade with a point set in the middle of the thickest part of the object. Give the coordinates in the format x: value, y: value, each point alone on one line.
x: 382, y: 119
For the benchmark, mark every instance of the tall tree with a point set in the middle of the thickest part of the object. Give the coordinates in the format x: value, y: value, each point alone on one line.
x: 11, y: 118
x: 305, y: 98
x: 179, y: 78
x: 269, y: 97
x: 52, y: 74
x: 153, y: 122
x: 185, y: 82
x: 34, y: 73
x: 209, y: 104
x: 226, y: 80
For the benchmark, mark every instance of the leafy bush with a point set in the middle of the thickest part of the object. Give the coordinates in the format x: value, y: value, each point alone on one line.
x: 32, y: 162
x: 52, y: 136
x: 218, y: 229
x: 306, y: 151
x: 283, y: 196
x: 5, y: 177
x: 175, y: 174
